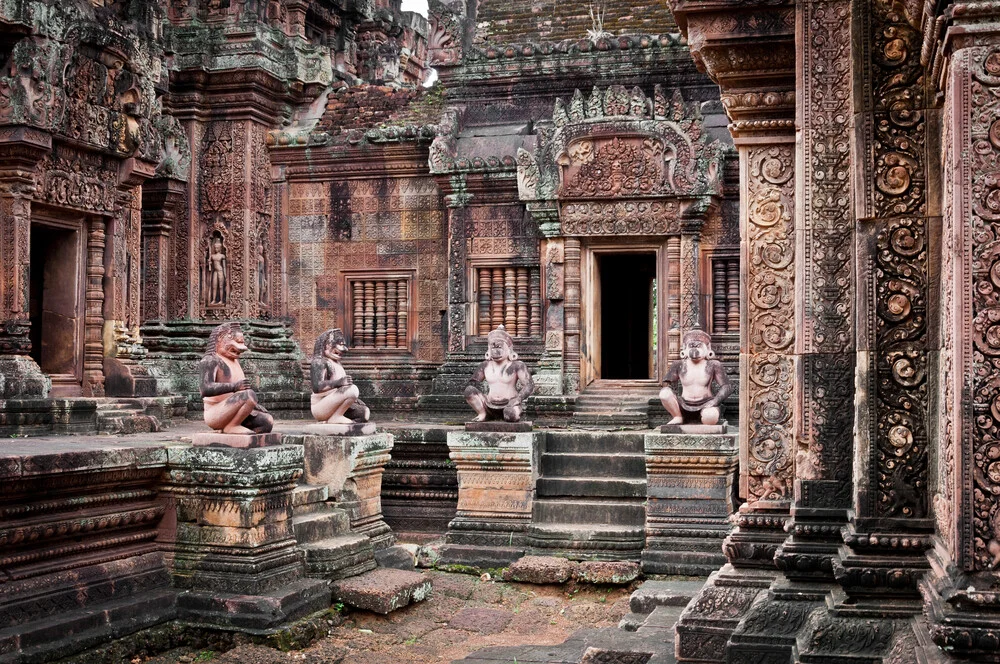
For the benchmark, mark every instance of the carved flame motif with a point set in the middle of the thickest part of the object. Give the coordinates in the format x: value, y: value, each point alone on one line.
x: 619, y: 167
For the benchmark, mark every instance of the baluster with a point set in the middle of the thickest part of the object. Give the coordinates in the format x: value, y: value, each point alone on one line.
x: 733, y: 299
x: 390, y: 314
x: 496, y: 298
x: 536, y: 303
x: 510, y: 301
x: 719, y: 295
x: 358, y: 339
x: 380, y: 314
x: 484, y: 301
x: 404, y: 312
x: 522, y: 301
x: 369, y: 340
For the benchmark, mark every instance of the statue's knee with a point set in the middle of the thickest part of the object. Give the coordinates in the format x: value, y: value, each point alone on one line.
x: 471, y: 392
x: 666, y: 394
x: 710, y: 415
x: 353, y: 392
x: 512, y: 413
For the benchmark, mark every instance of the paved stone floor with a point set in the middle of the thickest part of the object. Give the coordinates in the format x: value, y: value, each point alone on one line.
x: 464, y: 615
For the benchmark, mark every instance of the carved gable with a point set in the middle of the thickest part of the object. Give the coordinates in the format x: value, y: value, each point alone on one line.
x: 627, y: 148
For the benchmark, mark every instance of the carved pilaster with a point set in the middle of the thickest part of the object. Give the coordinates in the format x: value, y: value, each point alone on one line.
x: 825, y: 278
x: 673, y: 297
x: 960, y: 592
x: 458, y: 220
x: 162, y: 205
x: 20, y: 150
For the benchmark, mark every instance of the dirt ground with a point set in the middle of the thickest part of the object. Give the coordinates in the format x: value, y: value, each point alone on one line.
x: 463, y: 614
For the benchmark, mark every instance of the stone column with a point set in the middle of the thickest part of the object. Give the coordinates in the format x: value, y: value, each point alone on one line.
x: 959, y: 594
x: 826, y: 295
x: 690, y: 282
x: 750, y: 52
x: 572, y: 331
x: 20, y: 150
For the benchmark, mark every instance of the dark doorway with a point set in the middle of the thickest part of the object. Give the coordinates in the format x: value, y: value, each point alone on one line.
x: 55, y: 306
x: 627, y: 289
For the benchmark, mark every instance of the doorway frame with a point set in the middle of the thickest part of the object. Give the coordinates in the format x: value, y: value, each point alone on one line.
x: 590, y: 303
x: 63, y: 384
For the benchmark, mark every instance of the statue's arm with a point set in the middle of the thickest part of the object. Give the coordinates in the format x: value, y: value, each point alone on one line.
x: 718, y: 372
x: 478, y: 376
x: 319, y: 372
x: 209, y: 386
x: 673, y: 373
x: 524, y: 380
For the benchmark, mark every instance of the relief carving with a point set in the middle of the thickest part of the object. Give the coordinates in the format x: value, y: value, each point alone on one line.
x: 984, y: 235
x: 771, y: 314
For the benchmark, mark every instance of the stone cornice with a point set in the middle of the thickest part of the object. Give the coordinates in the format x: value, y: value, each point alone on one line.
x: 741, y: 44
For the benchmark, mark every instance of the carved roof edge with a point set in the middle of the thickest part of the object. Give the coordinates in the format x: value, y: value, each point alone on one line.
x: 516, y: 51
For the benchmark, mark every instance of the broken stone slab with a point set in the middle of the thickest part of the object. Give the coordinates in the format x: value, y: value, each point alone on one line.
x: 353, y: 429
x: 540, y: 569
x: 600, y: 572
x: 693, y: 428
x: 603, y: 656
x: 236, y: 440
x: 632, y: 621
x: 499, y: 426
x: 396, y: 557
x: 428, y: 556
x: 382, y: 590
x: 652, y: 594
x: 481, y: 620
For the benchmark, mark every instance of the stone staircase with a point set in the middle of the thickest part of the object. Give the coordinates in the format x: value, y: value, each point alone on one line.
x: 324, y: 533
x: 614, y: 404
x: 590, y: 497
x: 125, y: 416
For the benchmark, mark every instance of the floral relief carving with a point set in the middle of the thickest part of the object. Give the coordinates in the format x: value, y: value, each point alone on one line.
x: 827, y: 265
x: 619, y: 167
x: 984, y: 214
x: 770, y: 300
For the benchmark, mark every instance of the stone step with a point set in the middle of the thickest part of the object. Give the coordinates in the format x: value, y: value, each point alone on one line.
x: 306, y: 497
x: 587, y: 542
x: 127, y: 422
x: 593, y: 442
x: 591, y: 486
x: 339, y: 557
x: 611, y: 420
x: 320, y: 526
x: 652, y: 594
x: 382, y: 590
x: 621, y: 466
x: 589, y: 512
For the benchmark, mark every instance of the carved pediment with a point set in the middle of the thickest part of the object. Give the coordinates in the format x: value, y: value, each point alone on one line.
x: 620, y: 144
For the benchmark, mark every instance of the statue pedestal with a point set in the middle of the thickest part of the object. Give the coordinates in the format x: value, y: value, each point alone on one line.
x: 351, y: 468
x: 235, y: 556
x: 695, y: 429
x: 325, y: 429
x: 497, y: 473
x: 237, y: 440
x: 689, y: 488
x: 499, y: 426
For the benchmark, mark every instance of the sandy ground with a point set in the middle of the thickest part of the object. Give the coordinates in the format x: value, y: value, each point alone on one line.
x: 463, y: 614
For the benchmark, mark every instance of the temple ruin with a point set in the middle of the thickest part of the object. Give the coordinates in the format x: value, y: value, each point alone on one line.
x: 813, y: 185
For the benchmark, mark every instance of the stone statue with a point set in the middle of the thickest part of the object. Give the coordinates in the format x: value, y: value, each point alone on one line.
x: 230, y: 403
x: 335, y: 396
x: 502, y: 372
x: 695, y: 371
x: 217, y: 270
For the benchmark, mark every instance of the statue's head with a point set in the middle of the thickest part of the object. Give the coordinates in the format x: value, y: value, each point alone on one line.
x: 697, y: 346
x: 499, y: 346
x: 227, y: 340
x: 331, y: 344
